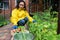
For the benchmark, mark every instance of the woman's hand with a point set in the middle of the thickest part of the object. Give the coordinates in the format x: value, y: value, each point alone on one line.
x: 34, y: 21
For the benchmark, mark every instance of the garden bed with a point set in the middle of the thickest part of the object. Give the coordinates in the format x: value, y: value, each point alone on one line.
x: 3, y: 21
x: 46, y: 26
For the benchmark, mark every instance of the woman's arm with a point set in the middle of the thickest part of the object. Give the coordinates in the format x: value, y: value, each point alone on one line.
x: 14, y: 17
x: 29, y: 17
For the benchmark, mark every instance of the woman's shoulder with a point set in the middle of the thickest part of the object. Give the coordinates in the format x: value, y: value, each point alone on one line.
x: 14, y: 9
x: 25, y: 10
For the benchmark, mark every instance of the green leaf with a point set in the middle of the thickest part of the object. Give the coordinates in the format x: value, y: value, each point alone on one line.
x: 23, y: 36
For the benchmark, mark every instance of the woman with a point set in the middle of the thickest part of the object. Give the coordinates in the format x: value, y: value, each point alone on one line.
x: 20, y: 16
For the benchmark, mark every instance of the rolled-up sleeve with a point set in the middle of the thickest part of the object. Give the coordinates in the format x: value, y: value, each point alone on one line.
x: 29, y: 17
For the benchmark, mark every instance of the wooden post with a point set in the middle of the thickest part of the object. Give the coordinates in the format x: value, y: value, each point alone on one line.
x: 27, y: 4
x: 10, y: 6
x: 0, y: 10
x: 58, y: 29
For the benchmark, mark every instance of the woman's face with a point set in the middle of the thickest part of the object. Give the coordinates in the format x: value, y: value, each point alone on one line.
x: 21, y: 5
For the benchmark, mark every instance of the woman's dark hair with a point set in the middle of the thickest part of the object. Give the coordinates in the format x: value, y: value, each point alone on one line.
x: 17, y: 6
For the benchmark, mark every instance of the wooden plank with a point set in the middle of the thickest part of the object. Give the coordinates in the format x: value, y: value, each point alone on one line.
x: 58, y: 29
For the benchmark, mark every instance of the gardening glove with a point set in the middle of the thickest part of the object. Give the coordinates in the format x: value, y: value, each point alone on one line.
x: 34, y: 21
x: 15, y: 27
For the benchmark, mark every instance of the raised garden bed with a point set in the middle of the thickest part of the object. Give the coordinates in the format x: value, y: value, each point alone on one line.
x: 3, y: 21
x: 46, y: 26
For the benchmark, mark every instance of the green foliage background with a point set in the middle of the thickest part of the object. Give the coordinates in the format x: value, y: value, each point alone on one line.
x: 46, y: 26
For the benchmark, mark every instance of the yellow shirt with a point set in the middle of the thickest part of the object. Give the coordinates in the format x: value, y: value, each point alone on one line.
x: 18, y: 14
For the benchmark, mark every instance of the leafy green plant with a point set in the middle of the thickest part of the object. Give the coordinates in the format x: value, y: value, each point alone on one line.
x: 46, y: 26
x: 23, y: 35
x: 3, y: 21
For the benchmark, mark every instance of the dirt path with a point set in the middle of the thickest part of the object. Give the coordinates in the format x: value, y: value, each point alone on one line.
x: 5, y: 33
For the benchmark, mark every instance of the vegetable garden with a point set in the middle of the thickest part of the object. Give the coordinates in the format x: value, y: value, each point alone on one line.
x: 45, y: 28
